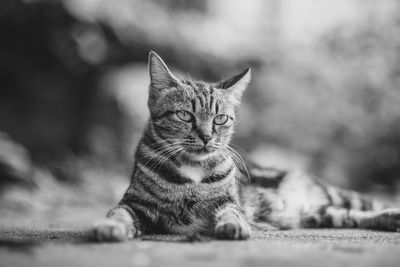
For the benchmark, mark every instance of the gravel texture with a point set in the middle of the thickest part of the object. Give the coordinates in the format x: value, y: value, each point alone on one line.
x: 66, y: 244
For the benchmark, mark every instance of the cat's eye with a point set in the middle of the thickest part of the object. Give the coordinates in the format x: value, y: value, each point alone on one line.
x: 184, y: 115
x: 221, y: 119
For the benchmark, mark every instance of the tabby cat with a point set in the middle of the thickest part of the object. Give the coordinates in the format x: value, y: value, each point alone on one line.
x: 187, y: 180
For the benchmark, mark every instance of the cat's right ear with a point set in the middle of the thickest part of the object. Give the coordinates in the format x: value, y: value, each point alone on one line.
x: 160, y: 76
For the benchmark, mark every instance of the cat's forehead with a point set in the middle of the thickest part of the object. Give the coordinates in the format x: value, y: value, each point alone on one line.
x: 199, y: 97
x: 196, y: 90
x: 198, y: 87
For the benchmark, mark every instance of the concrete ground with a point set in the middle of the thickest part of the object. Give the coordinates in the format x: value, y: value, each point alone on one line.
x: 59, y: 243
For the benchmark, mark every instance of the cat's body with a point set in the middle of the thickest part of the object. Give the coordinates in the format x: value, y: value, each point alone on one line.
x: 187, y: 180
x: 287, y: 200
x: 177, y: 195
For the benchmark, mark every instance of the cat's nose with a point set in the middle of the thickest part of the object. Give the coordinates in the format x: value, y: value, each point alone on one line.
x: 205, y: 138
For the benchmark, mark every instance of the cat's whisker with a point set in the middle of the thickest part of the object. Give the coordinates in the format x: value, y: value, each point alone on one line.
x: 237, y: 158
x: 155, y: 165
x: 242, y: 162
x: 159, y: 152
x: 241, y: 149
x: 178, y: 158
x: 175, y: 151
x: 228, y: 154
x: 163, y: 151
x: 161, y: 146
x: 190, y: 78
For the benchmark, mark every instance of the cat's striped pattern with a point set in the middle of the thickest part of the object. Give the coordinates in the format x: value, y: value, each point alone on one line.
x: 288, y: 200
x: 187, y: 180
x: 171, y: 200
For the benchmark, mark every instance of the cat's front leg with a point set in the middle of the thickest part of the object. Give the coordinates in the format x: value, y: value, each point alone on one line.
x: 119, y: 226
x: 231, y: 224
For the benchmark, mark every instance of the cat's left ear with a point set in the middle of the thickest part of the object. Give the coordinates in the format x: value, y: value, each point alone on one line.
x: 160, y: 76
x: 236, y: 85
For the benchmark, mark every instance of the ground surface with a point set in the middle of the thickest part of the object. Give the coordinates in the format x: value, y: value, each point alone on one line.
x: 65, y: 243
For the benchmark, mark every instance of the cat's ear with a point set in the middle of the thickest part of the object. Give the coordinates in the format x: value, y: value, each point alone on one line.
x: 236, y: 85
x: 160, y: 76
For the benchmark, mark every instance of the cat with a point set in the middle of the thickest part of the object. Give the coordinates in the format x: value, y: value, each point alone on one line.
x: 188, y: 180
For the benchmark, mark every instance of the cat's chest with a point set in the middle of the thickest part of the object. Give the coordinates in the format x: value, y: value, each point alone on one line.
x: 194, y: 173
x: 198, y: 173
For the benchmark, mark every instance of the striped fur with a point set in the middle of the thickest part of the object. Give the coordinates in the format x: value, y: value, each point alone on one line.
x: 185, y: 178
x: 286, y: 200
x: 170, y: 200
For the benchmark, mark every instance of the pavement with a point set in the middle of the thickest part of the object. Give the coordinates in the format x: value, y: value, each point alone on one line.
x: 66, y: 243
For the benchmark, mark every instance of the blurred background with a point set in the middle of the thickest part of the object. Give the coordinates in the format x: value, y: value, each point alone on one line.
x: 325, y: 93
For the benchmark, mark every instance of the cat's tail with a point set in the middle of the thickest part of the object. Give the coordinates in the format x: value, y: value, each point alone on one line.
x: 348, y: 209
x: 351, y: 200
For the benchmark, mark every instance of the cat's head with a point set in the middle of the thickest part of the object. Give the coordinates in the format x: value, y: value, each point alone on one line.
x: 198, y: 117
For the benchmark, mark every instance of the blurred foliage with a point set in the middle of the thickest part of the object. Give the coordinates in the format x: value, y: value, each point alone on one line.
x: 74, y: 79
x: 48, y: 91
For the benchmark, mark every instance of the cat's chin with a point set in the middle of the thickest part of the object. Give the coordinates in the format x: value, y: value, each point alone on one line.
x: 203, y: 150
x: 200, y: 152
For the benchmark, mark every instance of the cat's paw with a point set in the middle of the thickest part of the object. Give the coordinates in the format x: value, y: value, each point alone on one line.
x: 232, y: 230
x: 109, y: 230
